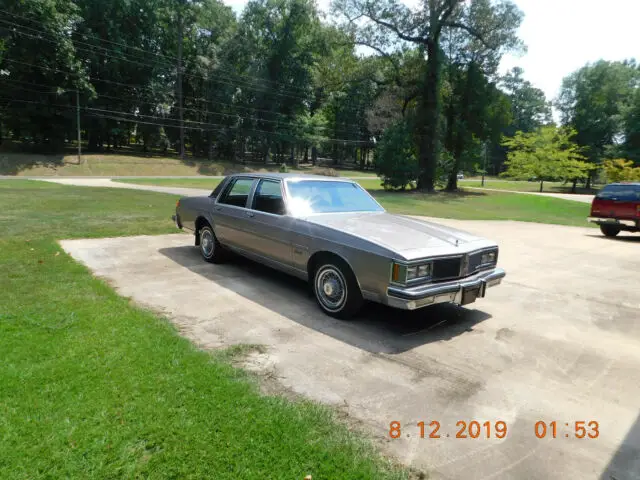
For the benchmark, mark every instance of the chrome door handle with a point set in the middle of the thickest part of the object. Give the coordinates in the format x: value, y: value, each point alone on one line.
x: 218, y: 208
x: 249, y: 214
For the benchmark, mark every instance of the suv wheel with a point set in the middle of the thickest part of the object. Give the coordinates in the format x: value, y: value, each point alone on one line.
x: 609, y: 230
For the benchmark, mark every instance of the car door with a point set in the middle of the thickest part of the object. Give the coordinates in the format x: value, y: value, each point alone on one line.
x: 231, y: 215
x: 269, y: 223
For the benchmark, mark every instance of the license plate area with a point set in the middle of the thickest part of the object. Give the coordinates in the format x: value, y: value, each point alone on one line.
x: 469, y: 294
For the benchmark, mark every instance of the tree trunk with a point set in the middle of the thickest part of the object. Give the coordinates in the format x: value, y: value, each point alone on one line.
x: 588, y: 184
x: 314, y: 156
x: 294, y: 158
x: 306, y: 155
x: 429, y: 140
x: 573, y: 187
x: 541, y: 185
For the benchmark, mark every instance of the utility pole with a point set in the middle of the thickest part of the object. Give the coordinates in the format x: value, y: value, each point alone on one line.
x: 78, y: 124
x: 180, y: 106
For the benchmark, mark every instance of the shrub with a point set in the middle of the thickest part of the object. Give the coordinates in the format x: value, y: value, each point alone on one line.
x: 620, y: 170
x: 396, y: 158
x: 329, y: 172
x: 284, y: 168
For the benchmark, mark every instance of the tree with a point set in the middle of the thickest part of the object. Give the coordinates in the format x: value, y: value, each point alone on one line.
x: 592, y: 101
x: 621, y: 170
x: 630, y: 147
x: 529, y: 107
x: 396, y: 159
x: 546, y: 154
x: 389, y: 22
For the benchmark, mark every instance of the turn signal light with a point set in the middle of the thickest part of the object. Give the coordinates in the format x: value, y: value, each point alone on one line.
x: 396, y: 272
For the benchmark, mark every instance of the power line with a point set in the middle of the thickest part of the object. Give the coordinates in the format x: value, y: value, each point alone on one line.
x: 202, y: 125
x: 137, y: 60
x: 31, y: 19
x: 205, y: 112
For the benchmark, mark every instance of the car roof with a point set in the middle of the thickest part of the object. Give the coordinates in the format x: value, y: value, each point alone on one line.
x: 636, y: 184
x: 290, y: 176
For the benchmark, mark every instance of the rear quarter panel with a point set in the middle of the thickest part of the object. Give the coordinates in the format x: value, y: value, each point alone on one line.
x: 190, y: 208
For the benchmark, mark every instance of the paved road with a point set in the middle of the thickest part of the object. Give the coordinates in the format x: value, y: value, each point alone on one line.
x: 558, y: 341
x: 563, y: 196
x: 107, y: 182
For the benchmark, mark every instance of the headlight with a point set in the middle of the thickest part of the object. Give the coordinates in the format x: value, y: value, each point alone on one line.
x: 424, y: 270
x: 489, y: 257
x: 405, y: 273
x: 412, y: 273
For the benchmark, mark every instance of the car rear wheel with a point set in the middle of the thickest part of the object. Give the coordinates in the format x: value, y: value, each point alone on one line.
x: 336, y: 289
x: 210, y: 248
x: 609, y: 230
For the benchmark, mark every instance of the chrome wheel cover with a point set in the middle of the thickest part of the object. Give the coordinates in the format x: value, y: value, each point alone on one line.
x: 207, y: 243
x: 331, y: 288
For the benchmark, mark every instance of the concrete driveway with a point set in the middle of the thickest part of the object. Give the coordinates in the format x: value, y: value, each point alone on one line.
x: 558, y: 341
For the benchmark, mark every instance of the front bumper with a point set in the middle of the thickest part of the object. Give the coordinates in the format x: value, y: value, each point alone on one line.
x: 615, y: 221
x: 176, y: 219
x: 462, y: 291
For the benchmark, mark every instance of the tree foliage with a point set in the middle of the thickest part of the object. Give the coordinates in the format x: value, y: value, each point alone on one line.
x: 621, y: 170
x: 396, y: 158
x: 597, y: 101
x: 485, y: 28
x: 545, y: 154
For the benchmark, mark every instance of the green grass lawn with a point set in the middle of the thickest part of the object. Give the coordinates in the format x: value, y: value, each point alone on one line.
x: 477, y: 205
x: 522, y: 186
x: 465, y: 205
x: 130, y: 163
x: 92, y: 386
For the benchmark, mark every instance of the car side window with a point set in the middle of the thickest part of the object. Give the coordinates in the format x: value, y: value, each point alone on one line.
x: 268, y: 198
x: 217, y: 190
x: 237, y: 192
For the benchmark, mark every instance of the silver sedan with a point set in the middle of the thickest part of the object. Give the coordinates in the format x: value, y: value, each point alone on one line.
x: 332, y: 233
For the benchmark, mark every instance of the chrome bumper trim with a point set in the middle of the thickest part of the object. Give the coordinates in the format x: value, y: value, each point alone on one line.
x: 612, y: 221
x: 423, y: 295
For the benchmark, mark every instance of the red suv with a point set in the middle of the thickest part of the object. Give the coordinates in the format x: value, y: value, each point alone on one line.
x: 617, y: 208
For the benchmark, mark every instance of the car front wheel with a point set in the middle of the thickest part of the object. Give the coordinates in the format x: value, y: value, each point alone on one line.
x: 609, y: 230
x: 336, y: 290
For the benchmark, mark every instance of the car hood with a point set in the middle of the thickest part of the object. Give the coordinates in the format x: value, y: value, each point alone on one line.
x: 409, y: 237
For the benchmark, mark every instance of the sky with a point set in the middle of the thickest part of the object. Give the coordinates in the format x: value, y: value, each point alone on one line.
x: 562, y: 36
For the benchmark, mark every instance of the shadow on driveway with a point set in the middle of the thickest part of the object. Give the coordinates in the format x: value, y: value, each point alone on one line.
x: 631, y: 238
x: 378, y: 328
x: 625, y: 464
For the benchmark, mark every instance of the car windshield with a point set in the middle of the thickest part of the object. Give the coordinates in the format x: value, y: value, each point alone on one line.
x: 627, y: 193
x: 322, y: 196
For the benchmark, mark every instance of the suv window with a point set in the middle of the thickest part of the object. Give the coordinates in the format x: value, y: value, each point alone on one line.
x: 625, y: 193
x: 268, y: 198
x: 237, y: 192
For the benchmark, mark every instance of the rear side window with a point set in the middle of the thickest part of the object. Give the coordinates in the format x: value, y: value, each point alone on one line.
x: 237, y: 192
x: 268, y: 198
x: 624, y: 193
